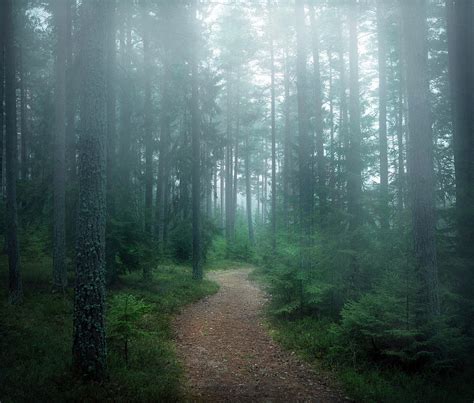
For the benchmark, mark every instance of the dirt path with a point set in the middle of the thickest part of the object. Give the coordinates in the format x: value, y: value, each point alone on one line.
x: 228, y: 355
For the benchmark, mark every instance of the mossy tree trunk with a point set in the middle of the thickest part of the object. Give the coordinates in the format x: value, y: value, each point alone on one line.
x: 89, y: 342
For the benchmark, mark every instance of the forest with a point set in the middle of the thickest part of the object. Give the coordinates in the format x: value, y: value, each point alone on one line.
x: 237, y: 200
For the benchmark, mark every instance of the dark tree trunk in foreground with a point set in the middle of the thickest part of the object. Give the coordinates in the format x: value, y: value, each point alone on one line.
x: 89, y: 343
x: 15, y: 284
x: 196, y: 154
x: 2, y: 91
x: 420, y: 153
x: 59, y: 239
x: 382, y: 63
x: 461, y: 51
x: 23, y: 115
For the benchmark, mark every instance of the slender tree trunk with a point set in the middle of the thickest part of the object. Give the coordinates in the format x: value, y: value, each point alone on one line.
x: 354, y: 163
x: 15, y: 283
x: 400, y: 134
x: 248, y: 191
x: 273, y: 124
x: 304, y: 146
x: 89, y: 342
x: 71, y: 91
x: 59, y: 248
x: 196, y: 152
x: 23, y: 116
x: 228, y: 170
x: 343, y: 117
x: 163, y: 168
x: 382, y: 63
x: 332, y: 145
x: 2, y: 94
x: 125, y: 120
x: 287, y: 147
x: 318, y: 114
x: 222, y: 181
x: 420, y: 153
x: 148, y: 127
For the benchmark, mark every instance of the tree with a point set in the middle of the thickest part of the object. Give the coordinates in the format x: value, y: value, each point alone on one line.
x: 196, y: 150
x: 461, y: 44
x: 272, y: 102
x: 15, y: 283
x: 89, y: 342
x: 59, y: 248
x: 318, y: 121
x: 304, y: 143
x: 420, y: 154
x: 382, y: 64
x: 354, y: 163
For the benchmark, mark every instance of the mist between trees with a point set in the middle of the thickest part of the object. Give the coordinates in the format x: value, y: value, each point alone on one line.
x: 330, y: 143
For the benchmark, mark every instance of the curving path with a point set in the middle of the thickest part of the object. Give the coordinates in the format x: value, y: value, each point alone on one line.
x: 228, y: 355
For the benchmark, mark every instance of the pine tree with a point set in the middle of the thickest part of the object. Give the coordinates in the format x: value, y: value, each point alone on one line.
x: 89, y: 342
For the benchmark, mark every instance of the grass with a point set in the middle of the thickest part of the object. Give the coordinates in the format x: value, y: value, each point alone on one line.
x: 310, y: 339
x: 36, y: 339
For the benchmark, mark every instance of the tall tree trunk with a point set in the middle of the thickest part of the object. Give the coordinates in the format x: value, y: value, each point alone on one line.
x: 461, y: 44
x: 148, y: 129
x: 354, y: 163
x: 318, y: 114
x: 287, y: 160
x: 111, y: 59
x: 400, y: 133
x: 89, y: 342
x: 420, y: 153
x: 23, y: 115
x: 248, y: 191
x: 273, y: 124
x: 125, y: 120
x: 71, y: 91
x: 304, y: 146
x: 343, y: 116
x: 15, y: 283
x: 59, y: 248
x: 2, y: 94
x: 382, y: 63
x: 228, y: 180
x: 161, y: 209
x: 196, y: 151
x: 332, y: 145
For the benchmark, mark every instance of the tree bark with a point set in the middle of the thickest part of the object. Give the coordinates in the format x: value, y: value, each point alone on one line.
x: 15, y: 283
x: 382, y: 63
x: 354, y: 163
x: 318, y: 115
x: 59, y: 248
x: 148, y: 128
x: 89, y: 342
x: 304, y: 146
x: 461, y: 59
x: 196, y: 150
x: 420, y: 154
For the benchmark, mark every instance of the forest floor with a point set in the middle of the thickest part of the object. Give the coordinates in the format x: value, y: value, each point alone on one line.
x: 228, y: 353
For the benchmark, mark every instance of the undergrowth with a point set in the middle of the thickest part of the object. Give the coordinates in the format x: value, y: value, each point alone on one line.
x: 36, y: 337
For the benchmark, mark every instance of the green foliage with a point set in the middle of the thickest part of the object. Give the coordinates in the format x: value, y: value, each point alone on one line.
x: 130, y: 246
x: 35, y: 338
x: 181, y: 238
x: 124, y: 314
